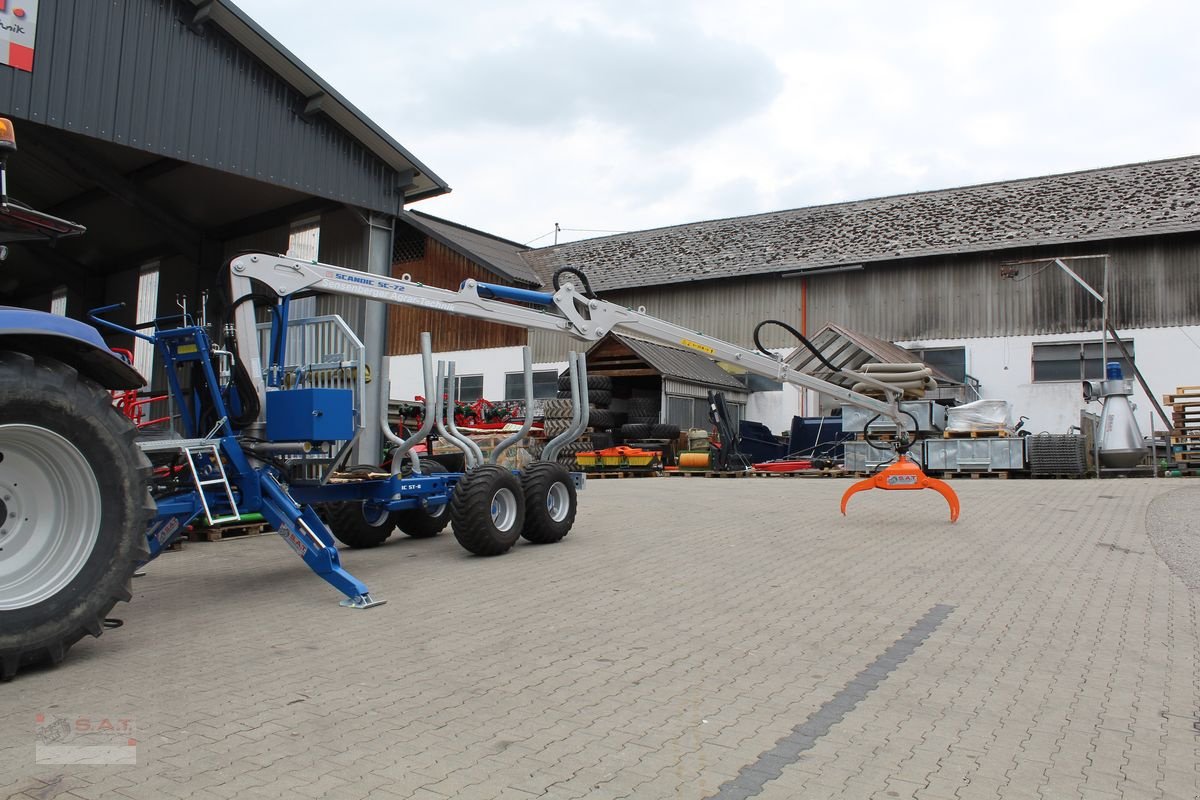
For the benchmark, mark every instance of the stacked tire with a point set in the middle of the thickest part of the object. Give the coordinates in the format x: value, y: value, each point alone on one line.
x: 600, y: 395
x: 642, y: 420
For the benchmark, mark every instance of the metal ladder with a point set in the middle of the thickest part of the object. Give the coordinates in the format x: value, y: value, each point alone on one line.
x: 211, y: 449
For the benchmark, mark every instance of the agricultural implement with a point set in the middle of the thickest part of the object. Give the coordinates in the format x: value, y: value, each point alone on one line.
x: 267, y: 415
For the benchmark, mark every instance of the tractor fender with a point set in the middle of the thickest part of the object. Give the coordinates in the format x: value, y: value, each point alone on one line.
x: 68, y: 340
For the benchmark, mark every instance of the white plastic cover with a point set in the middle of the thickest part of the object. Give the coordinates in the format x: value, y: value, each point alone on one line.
x: 981, y: 415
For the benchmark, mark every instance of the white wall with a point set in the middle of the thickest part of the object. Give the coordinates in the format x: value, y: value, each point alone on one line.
x: 408, y: 381
x: 1166, y: 357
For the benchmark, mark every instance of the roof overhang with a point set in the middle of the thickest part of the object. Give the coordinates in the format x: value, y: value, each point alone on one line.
x: 322, y: 98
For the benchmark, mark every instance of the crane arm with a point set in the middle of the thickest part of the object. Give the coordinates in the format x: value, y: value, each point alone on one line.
x: 565, y: 310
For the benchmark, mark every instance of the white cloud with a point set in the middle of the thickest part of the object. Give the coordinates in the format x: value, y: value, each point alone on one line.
x: 623, y: 115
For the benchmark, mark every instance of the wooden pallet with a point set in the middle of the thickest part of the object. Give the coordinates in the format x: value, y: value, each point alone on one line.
x: 1184, y: 395
x: 994, y: 433
x: 700, y: 473
x: 950, y: 476
x: 226, y: 532
x: 804, y: 473
x: 594, y: 475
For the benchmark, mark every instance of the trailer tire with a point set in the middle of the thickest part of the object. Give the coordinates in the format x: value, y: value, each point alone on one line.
x: 423, y: 523
x: 67, y: 459
x: 349, y: 525
x: 550, y: 502
x: 488, y: 510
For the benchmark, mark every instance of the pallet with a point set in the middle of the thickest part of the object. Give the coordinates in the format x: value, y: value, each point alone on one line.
x: 977, y: 434
x: 950, y: 476
x: 701, y: 473
x: 804, y: 473
x: 1184, y: 395
x: 226, y: 532
x: 622, y: 473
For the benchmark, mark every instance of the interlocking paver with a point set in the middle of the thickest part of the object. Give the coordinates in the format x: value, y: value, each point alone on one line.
x: 682, y: 630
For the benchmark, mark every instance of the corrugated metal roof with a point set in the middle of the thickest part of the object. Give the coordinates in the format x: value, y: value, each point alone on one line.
x: 324, y: 99
x: 682, y: 365
x: 491, y: 252
x: 218, y: 93
x: 1133, y: 200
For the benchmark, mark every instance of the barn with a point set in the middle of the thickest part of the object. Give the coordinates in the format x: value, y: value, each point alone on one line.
x: 179, y: 132
x: 965, y: 278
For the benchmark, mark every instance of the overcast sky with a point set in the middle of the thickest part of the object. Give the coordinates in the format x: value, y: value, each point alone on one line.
x: 619, y: 116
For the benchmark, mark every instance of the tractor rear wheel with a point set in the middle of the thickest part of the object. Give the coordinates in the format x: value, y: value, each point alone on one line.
x: 488, y: 510
x: 74, y: 508
x: 550, y: 502
x: 426, y: 521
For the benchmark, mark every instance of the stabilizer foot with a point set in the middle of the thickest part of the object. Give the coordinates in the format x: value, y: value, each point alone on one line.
x: 361, y: 601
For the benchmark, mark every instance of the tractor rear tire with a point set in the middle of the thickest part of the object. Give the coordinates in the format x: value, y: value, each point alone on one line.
x: 488, y: 510
x: 423, y: 522
x: 550, y: 502
x: 74, y: 508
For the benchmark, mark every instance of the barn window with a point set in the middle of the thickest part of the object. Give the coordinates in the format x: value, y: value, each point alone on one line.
x: 545, y: 384
x: 147, y: 310
x: 950, y: 361
x: 58, y: 301
x: 468, y: 388
x: 408, y: 246
x: 1075, y: 361
x: 304, y: 244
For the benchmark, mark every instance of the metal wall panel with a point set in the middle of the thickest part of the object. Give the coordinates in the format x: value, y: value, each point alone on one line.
x: 130, y: 72
x: 343, y: 243
x: 1154, y: 282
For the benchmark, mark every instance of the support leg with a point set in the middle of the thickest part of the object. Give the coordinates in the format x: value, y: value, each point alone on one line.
x: 305, y: 533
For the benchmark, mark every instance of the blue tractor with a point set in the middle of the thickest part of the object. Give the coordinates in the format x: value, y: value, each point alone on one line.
x: 74, y: 487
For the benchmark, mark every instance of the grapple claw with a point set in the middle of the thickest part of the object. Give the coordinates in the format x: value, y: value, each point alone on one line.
x: 903, y: 475
x: 861, y: 486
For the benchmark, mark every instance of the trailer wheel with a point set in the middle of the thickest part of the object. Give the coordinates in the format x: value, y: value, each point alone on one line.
x: 354, y: 526
x: 74, y: 507
x: 488, y: 510
x: 550, y: 502
x: 424, y: 522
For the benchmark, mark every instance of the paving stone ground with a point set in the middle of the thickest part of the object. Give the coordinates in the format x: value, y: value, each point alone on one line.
x: 684, y: 628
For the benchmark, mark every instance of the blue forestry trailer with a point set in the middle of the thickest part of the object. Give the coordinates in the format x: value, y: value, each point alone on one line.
x: 266, y: 411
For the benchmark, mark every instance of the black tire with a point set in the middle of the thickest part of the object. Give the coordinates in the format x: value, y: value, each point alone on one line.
x: 45, y: 405
x: 600, y: 441
x: 664, y: 432
x: 642, y: 407
x: 600, y: 398
x: 593, y: 382
x: 479, y: 525
x: 349, y: 524
x: 600, y: 418
x: 643, y: 421
x: 553, y: 427
x: 557, y: 408
x: 634, y: 432
x: 550, y: 502
x: 421, y: 523
x: 563, y: 394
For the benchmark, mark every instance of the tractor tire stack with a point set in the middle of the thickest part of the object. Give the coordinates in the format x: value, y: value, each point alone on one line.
x: 600, y: 395
x: 557, y: 416
x: 557, y: 419
x: 642, y: 420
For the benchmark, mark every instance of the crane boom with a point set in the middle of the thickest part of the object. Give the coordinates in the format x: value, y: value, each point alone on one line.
x: 565, y: 311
